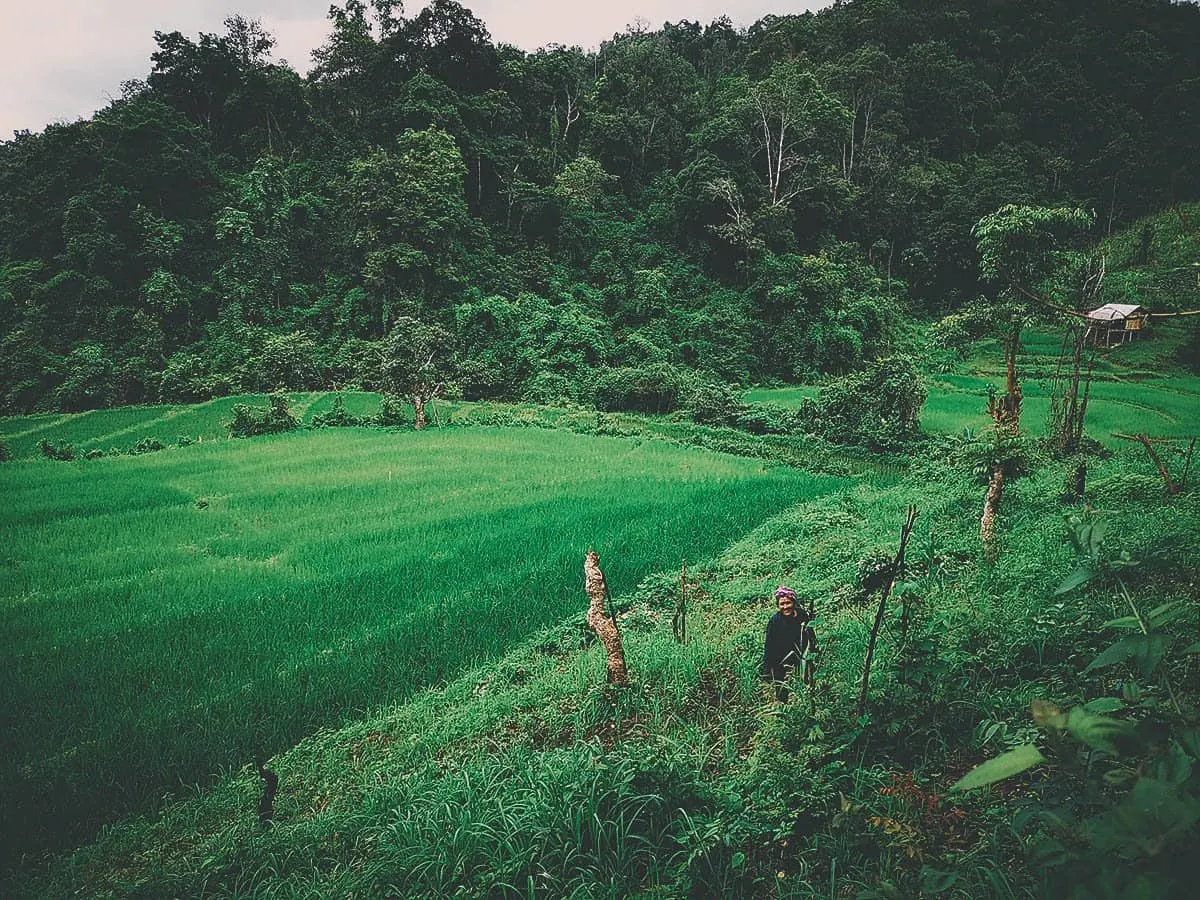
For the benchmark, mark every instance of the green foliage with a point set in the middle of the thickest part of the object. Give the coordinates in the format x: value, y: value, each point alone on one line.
x: 879, y: 407
x: 5, y: 453
x: 146, y: 445
x: 665, y: 388
x: 337, y: 417
x: 63, y: 452
x: 250, y: 421
x: 1014, y: 762
x: 89, y: 379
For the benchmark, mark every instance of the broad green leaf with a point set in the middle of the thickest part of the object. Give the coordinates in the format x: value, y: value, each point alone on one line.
x: 1100, y: 732
x: 935, y: 881
x: 1003, y: 766
x: 1194, y: 648
x: 1151, y: 648
x: 1082, y: 575
x: 1167, y: 613
x: 1104, y: 705
x: 1118, y: 652
x: 1146, y: 650
x: 1130, y: 623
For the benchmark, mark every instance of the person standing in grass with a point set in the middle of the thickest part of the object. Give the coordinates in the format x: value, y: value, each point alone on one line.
x: 791, y: 643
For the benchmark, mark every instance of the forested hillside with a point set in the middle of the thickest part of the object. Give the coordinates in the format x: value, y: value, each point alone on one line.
x: 748, y: 205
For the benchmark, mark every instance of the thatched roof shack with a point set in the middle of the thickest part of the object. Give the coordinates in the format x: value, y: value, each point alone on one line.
x: 1117, y: 323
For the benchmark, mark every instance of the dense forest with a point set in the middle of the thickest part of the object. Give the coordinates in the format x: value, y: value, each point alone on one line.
x: 696, y: 202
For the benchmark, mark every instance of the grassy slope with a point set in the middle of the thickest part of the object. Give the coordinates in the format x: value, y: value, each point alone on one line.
x: 530, y: 773
x: 174, y: 613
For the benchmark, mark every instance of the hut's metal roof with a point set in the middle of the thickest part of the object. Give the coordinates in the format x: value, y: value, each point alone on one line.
x: 1112, y: 311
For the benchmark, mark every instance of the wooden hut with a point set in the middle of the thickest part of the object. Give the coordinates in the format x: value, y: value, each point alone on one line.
x: 1117, y: 323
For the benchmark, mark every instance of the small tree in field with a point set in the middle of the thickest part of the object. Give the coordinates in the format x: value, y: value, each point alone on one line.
x: 417, y: 363
x: 1021, y: 250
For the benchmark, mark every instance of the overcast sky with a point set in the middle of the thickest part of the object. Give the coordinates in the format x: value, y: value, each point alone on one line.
x: 61, y: 60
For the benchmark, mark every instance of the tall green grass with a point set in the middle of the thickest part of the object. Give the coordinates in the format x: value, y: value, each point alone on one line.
x: 173, y: 614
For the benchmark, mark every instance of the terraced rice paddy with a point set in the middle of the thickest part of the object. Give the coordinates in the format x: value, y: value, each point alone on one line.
x: 171, y: 614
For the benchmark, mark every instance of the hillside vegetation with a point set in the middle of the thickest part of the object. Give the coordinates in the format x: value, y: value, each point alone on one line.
x: 528, y: 775
x: 802, y: 303
x: 694, y: 203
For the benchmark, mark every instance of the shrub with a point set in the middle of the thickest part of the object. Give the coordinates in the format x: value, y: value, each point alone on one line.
x: 1189, y: 351
x: 185, y: 379
x: 711, y: 402
x: 250, y: 421
x: 879, y: 407
x: 90, y: 379
x: 147, y: 445
x: 286, y: 361
x: 94, y: 454
x: 651, y: 389
x: 63, y: 452
x: 549, y: 388
x: 337, y: 417
x: 391, y: 411
x: 764, y: 418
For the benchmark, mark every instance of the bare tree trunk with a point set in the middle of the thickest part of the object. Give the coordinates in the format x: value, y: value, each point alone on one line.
x: 991, y: 507
x: 601, y: 622
x: 419, y: 421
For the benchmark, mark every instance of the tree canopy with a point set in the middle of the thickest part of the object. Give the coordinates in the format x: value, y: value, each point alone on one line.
x: 751, y: 204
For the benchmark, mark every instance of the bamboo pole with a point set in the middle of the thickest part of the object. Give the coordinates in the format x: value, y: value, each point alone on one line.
x: 897, y: 566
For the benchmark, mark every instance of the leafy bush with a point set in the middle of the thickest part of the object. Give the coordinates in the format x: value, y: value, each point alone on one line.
x: 185, y: 379
x: 664, y: 388
x: 63, y: 452
x: 147, y: 445
x: 337, y: 417
x: 391, y: 411
x: 286, y: 361
x: 711, y: 402
x: 879, y: 407
x: 765, y: 418
x: 250, y: 421
x: 1189, y: 352
x: 90, y: 379
x: 549, y: 388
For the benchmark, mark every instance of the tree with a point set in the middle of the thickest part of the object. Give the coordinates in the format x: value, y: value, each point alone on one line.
x: 796, y: 125
x: 1021, y: 248
x: 418, y: 363
x: 412, y: 223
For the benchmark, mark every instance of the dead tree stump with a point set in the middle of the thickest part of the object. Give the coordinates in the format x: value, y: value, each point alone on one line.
x: 601, y: 622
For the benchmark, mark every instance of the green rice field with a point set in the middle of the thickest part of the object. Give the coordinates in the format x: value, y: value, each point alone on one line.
x: 1123, y: 399
x: 172, y: 615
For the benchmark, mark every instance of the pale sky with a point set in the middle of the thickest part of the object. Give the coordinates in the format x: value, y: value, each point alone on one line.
x: 61, y: 60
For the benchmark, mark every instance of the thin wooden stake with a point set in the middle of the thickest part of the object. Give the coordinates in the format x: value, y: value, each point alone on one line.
x: 897, y: 566
x: 679, y: 622
x: 1148, y: 442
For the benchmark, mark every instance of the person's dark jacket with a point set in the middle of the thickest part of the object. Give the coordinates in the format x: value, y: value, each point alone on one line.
x: 788, y: 638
